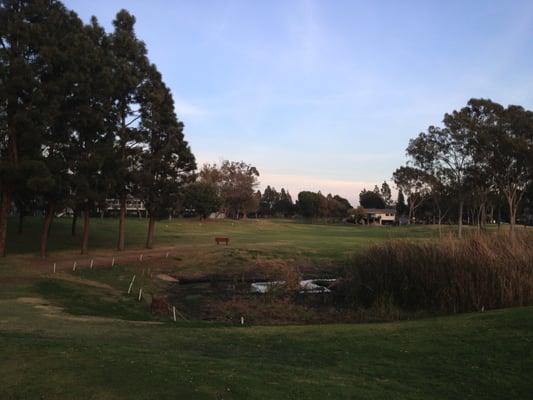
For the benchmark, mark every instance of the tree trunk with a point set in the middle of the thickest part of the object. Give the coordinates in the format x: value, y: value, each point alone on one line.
x: 85, y: 238
x: 74, y: 221
x: 151, y: 229
x: 21, y: 221
x: 5, y: 206
x: 512, y: 211
x: 46, y: 229
x: 13, y: 159
x: 439, y: 221
x: 461, y: 203
x: 483, y: 217
x: 121, y: 224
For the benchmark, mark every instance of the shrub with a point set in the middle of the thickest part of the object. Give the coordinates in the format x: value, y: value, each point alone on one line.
x: 484, y: 271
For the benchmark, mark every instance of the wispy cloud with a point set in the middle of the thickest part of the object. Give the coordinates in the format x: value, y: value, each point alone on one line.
x: 185, y: 108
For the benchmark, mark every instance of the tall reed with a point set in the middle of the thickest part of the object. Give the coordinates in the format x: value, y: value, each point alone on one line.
x: 483, y: 271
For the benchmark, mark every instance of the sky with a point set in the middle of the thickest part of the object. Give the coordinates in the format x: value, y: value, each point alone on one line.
x: 325, y: 95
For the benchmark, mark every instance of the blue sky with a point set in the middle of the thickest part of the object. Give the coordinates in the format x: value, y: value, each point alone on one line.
x: 324, y: 95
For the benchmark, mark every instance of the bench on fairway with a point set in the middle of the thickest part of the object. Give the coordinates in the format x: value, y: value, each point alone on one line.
x: 219, y: 240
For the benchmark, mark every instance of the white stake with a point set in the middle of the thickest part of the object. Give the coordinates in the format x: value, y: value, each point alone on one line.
x: 141, y: 257
x: 54, y: 268
x: 174, y: 312
x: 166, y: 255
x: 131, y: 284
x: 242, y: 320
x: 92, y: 262
x: 140, y: 293
x: 113, y: 261
x: 74, y: 266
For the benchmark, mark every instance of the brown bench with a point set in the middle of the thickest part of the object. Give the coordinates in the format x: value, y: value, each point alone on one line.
x: 219, y: 240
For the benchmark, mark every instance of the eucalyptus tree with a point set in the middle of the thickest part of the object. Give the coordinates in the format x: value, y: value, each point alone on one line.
x: 201, y: 198
x: 414, y: 183
x: 423, y: 153
x: 268, y: 201
x: 238, y: 184
x: 504, y: 144
x: 167, y: 163
x: 447, y: 153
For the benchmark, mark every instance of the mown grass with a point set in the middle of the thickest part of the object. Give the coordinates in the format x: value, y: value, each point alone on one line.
x: 62, y: 355
x: 285, y: 237
x: 79, y: 299
x: 476, y: 356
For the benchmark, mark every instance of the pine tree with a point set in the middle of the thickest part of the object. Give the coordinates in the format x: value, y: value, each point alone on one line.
x: 130, y: 63
x: 167, y: 163
x: 284, y: 206
x: 401, y: 207
x: 20, y: 119
x: 92, y: 140
x: 59, y: 78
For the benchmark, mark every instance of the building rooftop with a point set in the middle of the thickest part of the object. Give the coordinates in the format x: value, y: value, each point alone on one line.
x: 380, y: 210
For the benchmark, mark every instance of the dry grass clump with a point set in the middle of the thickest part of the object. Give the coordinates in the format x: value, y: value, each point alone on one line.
x: 484, y: 271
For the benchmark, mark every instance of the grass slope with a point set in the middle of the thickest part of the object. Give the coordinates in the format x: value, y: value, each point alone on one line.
x: 477, y: 356
x: 78, y: 335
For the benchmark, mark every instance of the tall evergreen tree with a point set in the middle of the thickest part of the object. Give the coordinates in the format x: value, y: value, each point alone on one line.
x: 59, y: 79
x: 268, y: 201
x: 386, y: 194
x: 371, y: 199
x: 284, y: 206
x: 167, y: 163
x: 23, y: 24
x: 130, y: 63
x: 308, y: 204
x: 401, y: 207
x: 93, y: 137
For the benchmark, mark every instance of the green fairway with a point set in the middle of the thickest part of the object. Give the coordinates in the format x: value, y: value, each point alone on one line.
x: 78, y: 334
x: 285, y: 236
x: 48, y: 355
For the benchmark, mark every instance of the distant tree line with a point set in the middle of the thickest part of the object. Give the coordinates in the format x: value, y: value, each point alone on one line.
x: 476, y: 168
x: 231, y: 188
x: 84, y: 116
x: 378, y: 198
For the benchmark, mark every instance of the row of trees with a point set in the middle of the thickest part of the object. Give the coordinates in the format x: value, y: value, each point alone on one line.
x: 377, y: 198
x: 481, y: 158
x: 231, y: 188
x: 84, y: 116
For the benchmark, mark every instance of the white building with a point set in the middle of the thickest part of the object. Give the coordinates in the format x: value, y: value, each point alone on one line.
x: 380, y: 216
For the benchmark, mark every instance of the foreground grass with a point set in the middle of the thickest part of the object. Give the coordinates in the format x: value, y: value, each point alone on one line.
x: 79, y: 335
x: 478, y: 356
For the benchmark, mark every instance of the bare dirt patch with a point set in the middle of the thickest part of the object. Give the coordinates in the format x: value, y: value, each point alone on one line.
x: 52, y: 311
x: 166, y: 278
